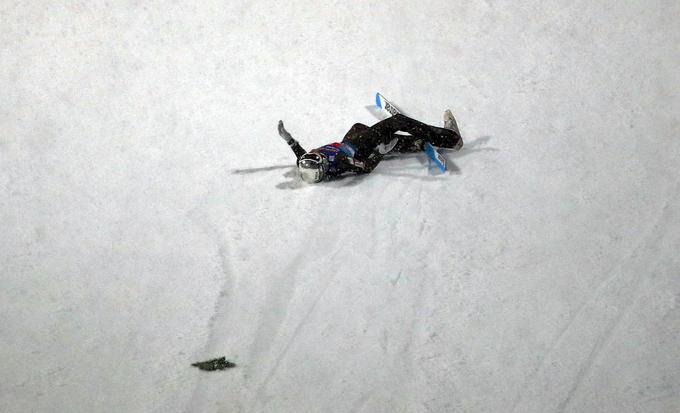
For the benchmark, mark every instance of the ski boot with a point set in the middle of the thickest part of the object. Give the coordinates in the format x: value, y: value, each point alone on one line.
x: 450, y: 123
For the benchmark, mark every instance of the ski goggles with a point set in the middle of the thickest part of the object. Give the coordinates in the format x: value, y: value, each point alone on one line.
x: 310, y: 159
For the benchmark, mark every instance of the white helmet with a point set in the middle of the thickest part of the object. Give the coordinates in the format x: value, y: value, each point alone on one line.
x: 312, y: 167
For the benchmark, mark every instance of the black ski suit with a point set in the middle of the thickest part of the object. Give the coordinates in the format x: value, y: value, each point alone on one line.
x: 358, y: 151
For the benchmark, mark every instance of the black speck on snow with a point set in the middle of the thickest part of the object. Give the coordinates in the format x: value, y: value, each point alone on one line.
x: 214, y: 364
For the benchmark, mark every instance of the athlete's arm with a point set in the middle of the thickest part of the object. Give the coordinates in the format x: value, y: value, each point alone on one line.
x: 294, y: 145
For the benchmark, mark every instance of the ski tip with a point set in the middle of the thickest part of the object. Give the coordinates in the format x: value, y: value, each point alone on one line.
x: 378, y: 103
x: 434, y: 156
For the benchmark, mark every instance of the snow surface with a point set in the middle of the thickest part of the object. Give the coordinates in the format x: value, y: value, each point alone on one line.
x: 151, y: 218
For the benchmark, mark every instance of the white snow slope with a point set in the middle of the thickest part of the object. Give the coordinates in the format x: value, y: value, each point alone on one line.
x: 150, y: 216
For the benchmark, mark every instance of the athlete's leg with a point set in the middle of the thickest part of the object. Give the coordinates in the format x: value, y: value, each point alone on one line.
x: 408, y: 143
x: 356, y: 128
x: 441, y: 137
x: 364, y: 139
x: 445, y: 138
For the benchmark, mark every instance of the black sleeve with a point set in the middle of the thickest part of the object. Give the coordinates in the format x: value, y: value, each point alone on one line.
x: 297, y: 149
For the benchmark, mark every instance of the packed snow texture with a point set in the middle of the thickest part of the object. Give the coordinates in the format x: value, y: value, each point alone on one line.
x: 151, y: 217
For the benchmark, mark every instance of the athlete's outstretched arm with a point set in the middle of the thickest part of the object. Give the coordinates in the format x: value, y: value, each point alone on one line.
x: 294, y: 145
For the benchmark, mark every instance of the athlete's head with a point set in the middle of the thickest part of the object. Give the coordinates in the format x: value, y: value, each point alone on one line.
x: 312, y: 167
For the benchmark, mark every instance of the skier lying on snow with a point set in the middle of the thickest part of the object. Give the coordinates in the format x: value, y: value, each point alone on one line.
x: 363, y: 147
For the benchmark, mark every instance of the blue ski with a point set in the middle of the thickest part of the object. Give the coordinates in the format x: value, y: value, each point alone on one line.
x: 436, y: 157
x: 387, y: 109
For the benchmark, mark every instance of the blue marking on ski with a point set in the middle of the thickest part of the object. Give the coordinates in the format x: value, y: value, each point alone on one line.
x: 377, y: 100
x: 435, y: 156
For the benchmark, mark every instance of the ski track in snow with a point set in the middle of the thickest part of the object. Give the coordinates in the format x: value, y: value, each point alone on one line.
x: 650, y: 245
x: 199, y: 217
x: 625, y: 285
x: 296, y: 332
x: 279, y: 293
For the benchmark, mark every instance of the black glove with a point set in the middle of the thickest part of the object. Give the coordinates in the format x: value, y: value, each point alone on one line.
x: 284, y: 133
